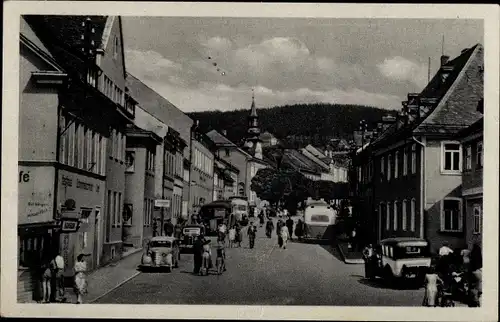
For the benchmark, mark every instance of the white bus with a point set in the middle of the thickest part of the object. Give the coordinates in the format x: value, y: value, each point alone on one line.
x: 320, y: 221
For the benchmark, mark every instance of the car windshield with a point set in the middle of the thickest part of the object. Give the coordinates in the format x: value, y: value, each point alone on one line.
x: 160, y: 243
x: 320, y: 218
x: 240, y: 207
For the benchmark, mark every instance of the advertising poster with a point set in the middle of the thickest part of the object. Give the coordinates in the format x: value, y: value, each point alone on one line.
x: 36, y: 194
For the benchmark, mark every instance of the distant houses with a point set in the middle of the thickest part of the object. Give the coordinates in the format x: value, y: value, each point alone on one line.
x: 416, y: 176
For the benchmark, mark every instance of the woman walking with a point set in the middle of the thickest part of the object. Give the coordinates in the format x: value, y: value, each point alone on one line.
x: 285, y: 235
x: 47, y: 276
x: 80, y: 277
x: 232, y: 236
x: 431, y: 287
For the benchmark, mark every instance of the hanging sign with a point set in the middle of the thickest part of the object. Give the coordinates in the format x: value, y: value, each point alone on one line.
x: 162, y: 203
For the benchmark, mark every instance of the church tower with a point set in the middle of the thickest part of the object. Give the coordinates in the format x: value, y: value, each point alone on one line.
x: 253, y: 143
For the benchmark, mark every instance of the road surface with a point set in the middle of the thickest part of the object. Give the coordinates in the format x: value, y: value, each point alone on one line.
x: 302, y: 274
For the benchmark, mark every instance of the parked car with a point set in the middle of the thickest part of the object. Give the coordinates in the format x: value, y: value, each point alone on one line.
x: 161, y: 252
x: 403, y: 259
x: 188, y: 236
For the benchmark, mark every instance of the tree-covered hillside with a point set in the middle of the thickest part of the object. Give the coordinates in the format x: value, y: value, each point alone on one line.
x: 307, y: 123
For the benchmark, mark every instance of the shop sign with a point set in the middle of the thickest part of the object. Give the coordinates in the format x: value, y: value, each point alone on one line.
x: 162, y: 203
x: 36, y: 194
x: 69, y: 225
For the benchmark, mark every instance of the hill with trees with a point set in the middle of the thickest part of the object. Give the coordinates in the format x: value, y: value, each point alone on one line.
x: 298, y: 124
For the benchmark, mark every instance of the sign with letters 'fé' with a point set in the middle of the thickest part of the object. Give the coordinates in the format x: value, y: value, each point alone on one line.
x: 36, y: 194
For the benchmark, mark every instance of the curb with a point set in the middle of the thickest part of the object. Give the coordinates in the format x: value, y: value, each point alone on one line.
x: 349, y: 261
x: 114, y: 288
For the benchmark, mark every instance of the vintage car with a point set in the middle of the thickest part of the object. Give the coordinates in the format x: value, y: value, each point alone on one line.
x: 403, y: 259
x: 161, y: 252
x: 189, y: 233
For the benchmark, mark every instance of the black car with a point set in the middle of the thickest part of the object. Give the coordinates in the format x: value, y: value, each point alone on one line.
x: 189, y: 234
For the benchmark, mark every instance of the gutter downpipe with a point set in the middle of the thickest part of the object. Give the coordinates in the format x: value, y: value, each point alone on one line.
x: 423, y: 187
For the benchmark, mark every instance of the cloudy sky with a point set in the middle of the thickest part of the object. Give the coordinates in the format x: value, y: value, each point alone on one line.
x: 354, y: 61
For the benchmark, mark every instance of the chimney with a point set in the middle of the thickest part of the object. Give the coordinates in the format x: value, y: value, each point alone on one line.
x: 387, y: 121
x: 224, y: 132
x: 444, y: 59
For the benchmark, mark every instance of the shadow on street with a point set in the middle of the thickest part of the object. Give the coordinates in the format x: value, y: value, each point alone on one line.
x: 334, y: 251
x: 383, y: 284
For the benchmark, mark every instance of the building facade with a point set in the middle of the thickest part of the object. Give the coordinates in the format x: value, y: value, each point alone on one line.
x: 171, y: 174
x: 409, y: 177
x: 472, y: 182
x: 77, y: 135
x: 202, y: 172
x: 140, y: 157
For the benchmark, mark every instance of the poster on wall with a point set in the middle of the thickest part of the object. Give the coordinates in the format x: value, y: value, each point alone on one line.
x: 36, y: 194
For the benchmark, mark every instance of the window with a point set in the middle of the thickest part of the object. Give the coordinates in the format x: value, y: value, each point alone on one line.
x: 109, y: 214
x: 395, y: 223
x: 412, y: 215
x: 145, y: 212
x: 104, y: 143
x: 451, y: 156
x: 477, y: 218
x: 128, y: 211
x: 405, y: 161
x: 130, y: 161
x: 382, y: 168
x: 451, y: 214
x: 468, y: 157
x: 404, y: 214
x: 396, y: 160
x: 115, y: 208
x: 388, y: 216
x: 389, y: 170
x: 479, y: 155
x: 414, y: 158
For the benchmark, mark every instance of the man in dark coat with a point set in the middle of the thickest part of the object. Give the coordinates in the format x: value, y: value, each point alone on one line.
x: 252, y: 231
x: 289, y: 225
x: 197, y: 253
x: 279, y: 225
x: 169, y: 228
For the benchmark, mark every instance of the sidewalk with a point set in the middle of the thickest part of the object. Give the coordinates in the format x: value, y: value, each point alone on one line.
x: 109, y: 277
x: 348, y: 256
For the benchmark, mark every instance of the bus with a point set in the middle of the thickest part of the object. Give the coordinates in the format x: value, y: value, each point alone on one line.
x: 229, y: 212
x: 319, y: 222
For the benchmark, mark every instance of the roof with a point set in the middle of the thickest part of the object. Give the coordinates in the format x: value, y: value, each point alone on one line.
x: 134, y: 130
x: 303, y: 162
x: 474, y: 128
x: 397, y: 240
x: 163, y: 238
x: 219, y: 139
x: 445, y: 116
x: 62, y: 36
x: 159, y: 107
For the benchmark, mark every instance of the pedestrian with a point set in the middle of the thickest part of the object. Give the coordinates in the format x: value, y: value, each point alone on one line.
x: 431, y: 287
x: 284, y: 234
x: 178, y: 229
x: 299, y: 229
x: 239, y: 236
x: 232, y: 236
x: 58, y: 265
x: 168, y: 228
x: 221, y: 233
x: 269, y: 228
x: 476, y: 287
x: 289, y: 225
x: 47, y: 275
x: 352, y: 240
x: 368, y: 257
x: 80, y: 277
x: 261, y: 218
x: 197, y: 253
x: 252, y: 231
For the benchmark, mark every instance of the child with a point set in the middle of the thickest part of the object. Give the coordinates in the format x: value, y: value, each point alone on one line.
x: 220, y: 262
x: 232, y: 236
x: 431, y: 287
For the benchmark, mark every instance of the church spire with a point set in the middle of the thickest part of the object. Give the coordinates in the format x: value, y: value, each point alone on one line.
x: 253, y: 109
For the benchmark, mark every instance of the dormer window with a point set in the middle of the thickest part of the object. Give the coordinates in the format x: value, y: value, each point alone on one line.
x: 445, y: 72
